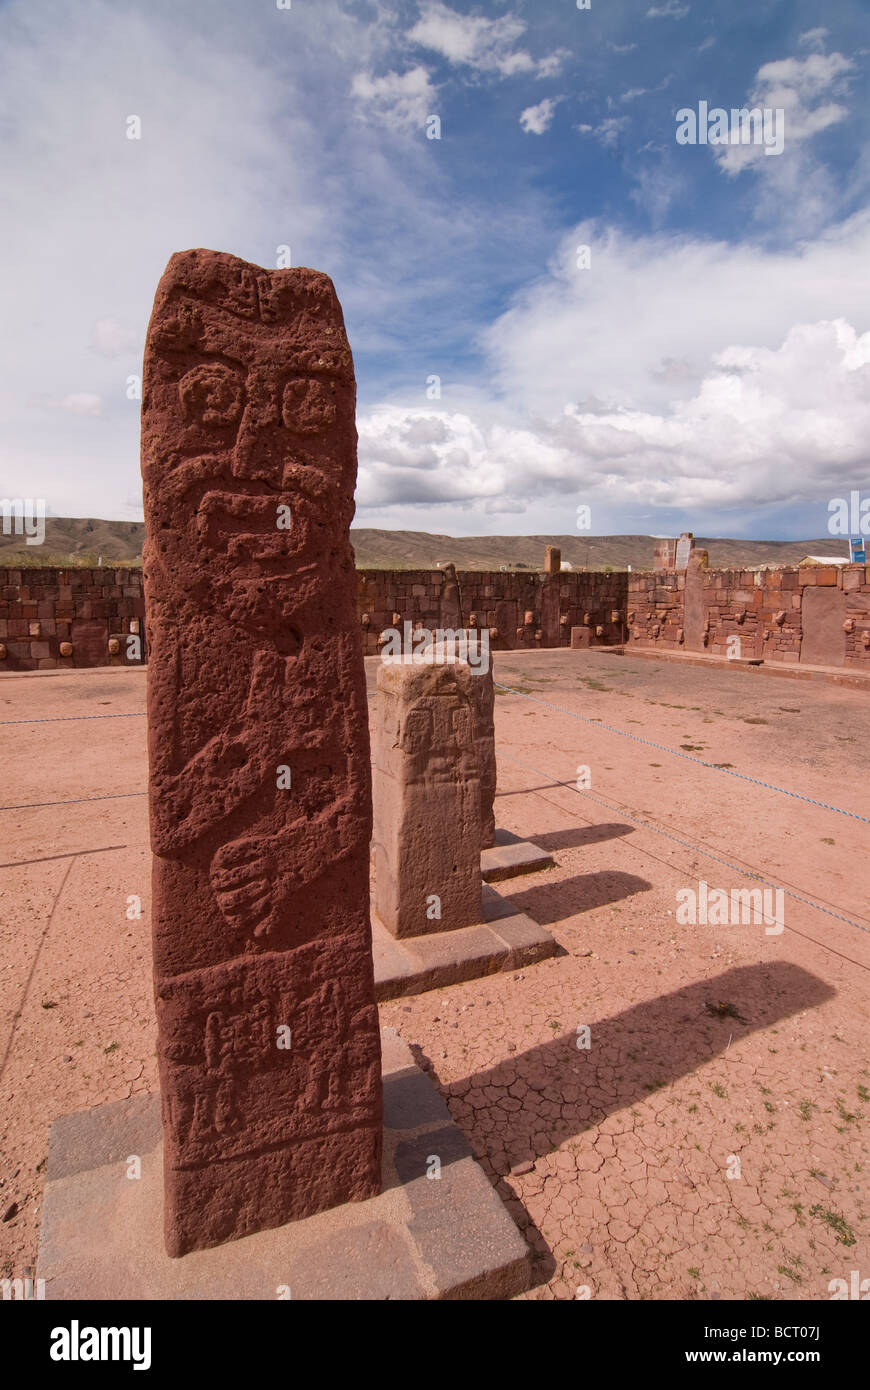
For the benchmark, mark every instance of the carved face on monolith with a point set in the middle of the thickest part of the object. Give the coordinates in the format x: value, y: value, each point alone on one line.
x: 258, y: 748
x: 246, y: 431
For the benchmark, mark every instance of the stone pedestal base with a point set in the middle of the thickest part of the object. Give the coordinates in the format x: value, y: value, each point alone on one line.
x: 511, y: 856
x: 421, y: 1238
x: 504, y: 940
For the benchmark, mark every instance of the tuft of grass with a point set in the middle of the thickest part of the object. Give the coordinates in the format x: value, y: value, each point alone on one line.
x: 845, y: 1115
x: 838, y: 1224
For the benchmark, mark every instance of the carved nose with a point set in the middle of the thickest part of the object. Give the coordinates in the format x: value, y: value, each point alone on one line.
x: 252, y: 455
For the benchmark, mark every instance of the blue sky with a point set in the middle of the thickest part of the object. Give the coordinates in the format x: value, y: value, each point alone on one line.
x: 708, y: 370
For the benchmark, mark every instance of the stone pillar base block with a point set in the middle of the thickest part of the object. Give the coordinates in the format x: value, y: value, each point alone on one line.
x: 504, y: 940
x: 421, y: 1238
x: 510, y: 856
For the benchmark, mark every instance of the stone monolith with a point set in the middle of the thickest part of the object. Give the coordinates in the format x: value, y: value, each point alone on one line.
x: 451, y: 599
x: 260, y: 792
x: 427, y: 803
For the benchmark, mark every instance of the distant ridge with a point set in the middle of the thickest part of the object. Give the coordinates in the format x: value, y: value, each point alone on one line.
x: 81, y: 540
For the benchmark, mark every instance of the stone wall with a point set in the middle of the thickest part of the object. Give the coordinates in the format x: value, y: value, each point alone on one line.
x: 91, y: 610
x: 855, y: 582
x: 77, y: 617
x: 518, y: 610
x: 767, y: 610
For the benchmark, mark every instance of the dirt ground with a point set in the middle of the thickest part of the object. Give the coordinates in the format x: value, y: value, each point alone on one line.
x: 711, y: 1141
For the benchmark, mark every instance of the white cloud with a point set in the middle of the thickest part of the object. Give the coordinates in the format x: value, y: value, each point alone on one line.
x: 792, y: 85
x: 484, y: 45
x: 474, y: 459
x: 398, y: 100
x: 110, y: 338
x: 248, y: 142
x: 535, y: 120
x: 764, y: 425
x: 814, y: 38
x: 604, y: 390
x: 82, y: 403
x: 608, y: 131
x: 552, y: 65
x: 672, y: 9
x: 657, y: 186
x: 634, y: 92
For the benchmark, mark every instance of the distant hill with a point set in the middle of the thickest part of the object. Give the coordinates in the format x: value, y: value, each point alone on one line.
x: 81, y: 540
x: 421, y: 550
x: 77, y: 540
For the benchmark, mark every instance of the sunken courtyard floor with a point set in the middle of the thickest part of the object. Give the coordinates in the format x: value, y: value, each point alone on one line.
x: 668, y: 1110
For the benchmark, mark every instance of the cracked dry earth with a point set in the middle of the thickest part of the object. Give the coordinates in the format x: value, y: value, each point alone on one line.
x: 614, y: 1160
x: 712, y: 1051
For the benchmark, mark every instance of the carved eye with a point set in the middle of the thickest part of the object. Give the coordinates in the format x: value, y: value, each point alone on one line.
x: 307, y: 405
x: 212, y: 393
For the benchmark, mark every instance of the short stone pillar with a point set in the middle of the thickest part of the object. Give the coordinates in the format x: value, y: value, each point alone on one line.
x: 685, y: 548
x: 427, y: 798
x: 553, y: 560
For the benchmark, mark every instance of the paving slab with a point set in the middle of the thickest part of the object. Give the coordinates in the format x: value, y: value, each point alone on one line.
x: 423, y: 1237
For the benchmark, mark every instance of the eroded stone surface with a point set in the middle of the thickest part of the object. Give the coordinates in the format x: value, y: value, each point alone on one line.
x: 483, y: 694
x: 260, y: 792
x: 427, y: 798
